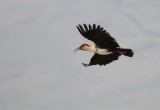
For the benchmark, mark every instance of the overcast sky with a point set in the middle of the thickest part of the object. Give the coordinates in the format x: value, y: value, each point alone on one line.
x: 38, y: 70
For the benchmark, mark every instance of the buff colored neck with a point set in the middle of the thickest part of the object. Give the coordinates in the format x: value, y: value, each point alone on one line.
x: 92, y: 49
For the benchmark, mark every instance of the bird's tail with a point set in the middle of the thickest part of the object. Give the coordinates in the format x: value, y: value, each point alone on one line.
x: 126, y: 52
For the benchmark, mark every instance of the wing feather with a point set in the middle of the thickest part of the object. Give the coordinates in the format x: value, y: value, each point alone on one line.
x: 90, y: 27
x: 103, y: 59
x: 98, y: 35
x: 86, y: 28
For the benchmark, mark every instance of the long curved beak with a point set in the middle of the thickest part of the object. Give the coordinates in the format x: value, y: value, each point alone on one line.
x: 79, y: 48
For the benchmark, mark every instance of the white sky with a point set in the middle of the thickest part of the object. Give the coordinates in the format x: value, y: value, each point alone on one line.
x: 38, y: 70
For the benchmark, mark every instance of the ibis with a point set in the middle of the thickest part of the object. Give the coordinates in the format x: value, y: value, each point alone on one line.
x: 106, y: 49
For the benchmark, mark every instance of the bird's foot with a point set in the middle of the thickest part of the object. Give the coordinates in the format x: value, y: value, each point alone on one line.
x: 86, y: 65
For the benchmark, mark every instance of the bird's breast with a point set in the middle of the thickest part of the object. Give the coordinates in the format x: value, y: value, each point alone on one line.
x: 103, y: 51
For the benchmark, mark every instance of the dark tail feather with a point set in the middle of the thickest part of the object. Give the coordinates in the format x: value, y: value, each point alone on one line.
x: 127, y: 52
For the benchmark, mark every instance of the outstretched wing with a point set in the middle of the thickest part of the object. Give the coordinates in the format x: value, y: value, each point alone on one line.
x: 98, y: 35
x: 103, y: 59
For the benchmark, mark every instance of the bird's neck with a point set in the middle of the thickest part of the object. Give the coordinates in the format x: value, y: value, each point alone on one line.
x: 92, y: 49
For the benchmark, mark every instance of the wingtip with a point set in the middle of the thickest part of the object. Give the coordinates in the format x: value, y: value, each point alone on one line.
x: 94, y: 26
x: 77, y: 25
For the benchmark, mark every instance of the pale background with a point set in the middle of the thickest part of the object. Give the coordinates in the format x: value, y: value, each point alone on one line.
x: 38, y: 70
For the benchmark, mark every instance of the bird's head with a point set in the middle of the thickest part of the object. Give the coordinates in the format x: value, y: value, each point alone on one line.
x: 84, y: 47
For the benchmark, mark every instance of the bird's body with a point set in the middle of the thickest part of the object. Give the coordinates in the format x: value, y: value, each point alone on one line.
x: 96, y: 50
x: 106, y: 49
x: 103, y: 51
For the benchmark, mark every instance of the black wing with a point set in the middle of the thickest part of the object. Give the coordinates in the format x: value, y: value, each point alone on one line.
x: 103, y: 59
x: 98, y: 35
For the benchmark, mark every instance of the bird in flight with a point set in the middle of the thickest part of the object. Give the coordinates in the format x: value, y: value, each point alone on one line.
x: 106, y: 48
